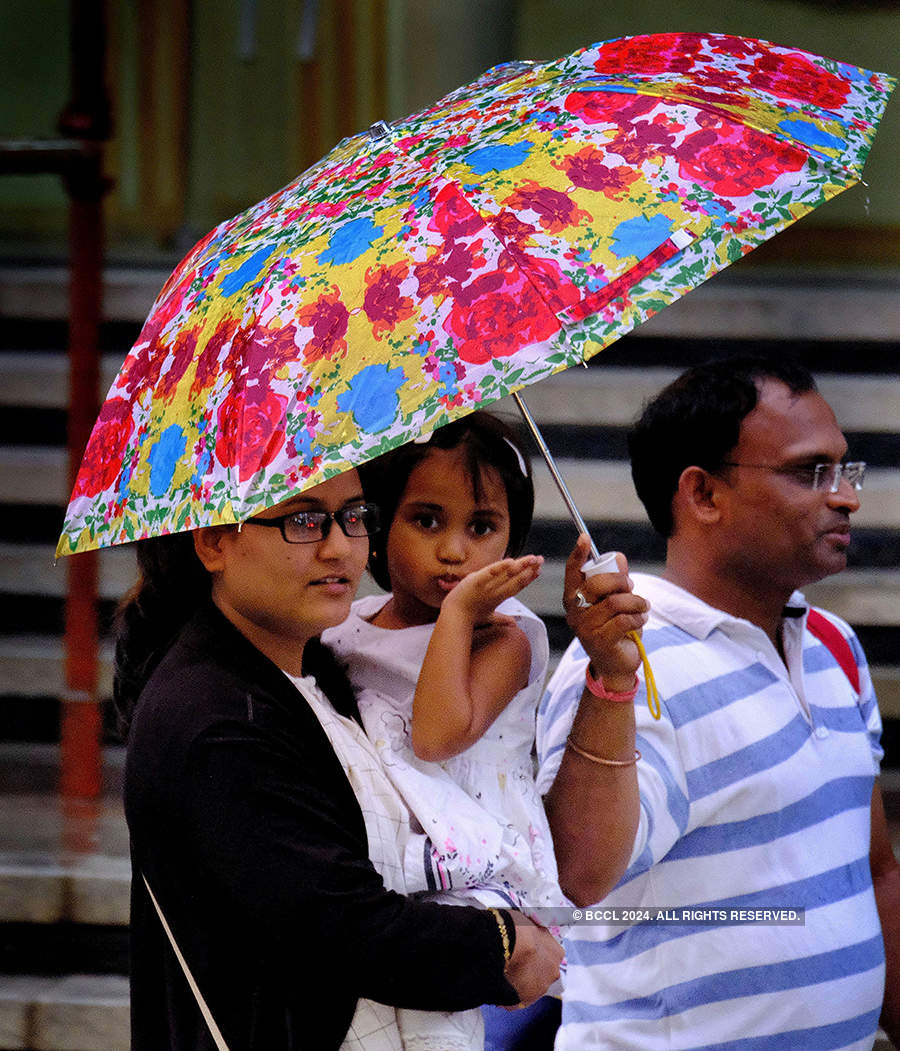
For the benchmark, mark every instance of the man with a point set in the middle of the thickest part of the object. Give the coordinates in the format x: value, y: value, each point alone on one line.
x: 755, y: 790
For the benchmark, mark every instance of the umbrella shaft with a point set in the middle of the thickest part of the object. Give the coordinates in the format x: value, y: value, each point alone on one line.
x: 554, y: 471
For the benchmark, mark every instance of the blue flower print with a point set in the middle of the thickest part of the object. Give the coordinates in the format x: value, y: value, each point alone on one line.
x: 810, y: 134
x: 202, y: 468
x: 447, y: 376
x: 303, y: 447
x: 246, y: 273
x: 163, y: 456
x: 372, y: 398
x: 350, y: 241
x: 639, y: 236
x: 498, y: 158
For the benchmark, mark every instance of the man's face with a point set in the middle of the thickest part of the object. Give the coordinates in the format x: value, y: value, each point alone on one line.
x: 778, y: 528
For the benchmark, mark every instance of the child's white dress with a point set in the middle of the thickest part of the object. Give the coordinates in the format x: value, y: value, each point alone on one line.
x: 480, y: 809
x: 487, y: 834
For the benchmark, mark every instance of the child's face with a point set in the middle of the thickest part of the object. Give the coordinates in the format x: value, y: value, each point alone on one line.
x: 441, y: 533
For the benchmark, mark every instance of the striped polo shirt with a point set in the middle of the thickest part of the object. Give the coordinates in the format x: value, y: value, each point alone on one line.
x: 755, y: 791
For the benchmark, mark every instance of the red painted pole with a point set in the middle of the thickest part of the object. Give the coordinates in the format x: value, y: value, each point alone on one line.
x: 80, y: 735
x: 86, y: 117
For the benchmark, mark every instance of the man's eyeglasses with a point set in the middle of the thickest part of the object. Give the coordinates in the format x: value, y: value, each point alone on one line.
x: 310, y: 527
x: 821, y: 476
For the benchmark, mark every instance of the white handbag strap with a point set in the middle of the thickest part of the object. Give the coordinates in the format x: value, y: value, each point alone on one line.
x: 207, y: 1014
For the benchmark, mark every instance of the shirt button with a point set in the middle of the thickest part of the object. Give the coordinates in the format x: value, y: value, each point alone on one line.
x: 821, y: 732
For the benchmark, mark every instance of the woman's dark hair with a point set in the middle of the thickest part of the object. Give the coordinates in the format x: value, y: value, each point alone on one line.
x: 696, y: 422
x: 487, y: 442
x: 172, y: 585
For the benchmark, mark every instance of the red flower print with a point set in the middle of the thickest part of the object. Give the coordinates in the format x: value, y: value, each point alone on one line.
x: 496, y: 315
x: 106, y: 449
x: 555, y: 209
x: 739, y: 47
x: 269, y: 349
x: 795, y: 77
x: 609, y: 107
x: 646, y: 56
x: 250, y: 429
x: 180, y: 356
x: 208, y: 365
x: 443, y: 271
x: 140, y: 370
x: 557, y: 291
x: 643, y: 140
x: 328, y: 318
x: 734, y: 160
x: 589, y: 170
x: 705, y: 94
x: 453, y: 216
x: 383, y: 304
x: 509, y: 228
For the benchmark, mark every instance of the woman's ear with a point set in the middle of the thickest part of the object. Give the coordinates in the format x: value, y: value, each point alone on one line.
x: 209, y: 546
x: 698, y: 494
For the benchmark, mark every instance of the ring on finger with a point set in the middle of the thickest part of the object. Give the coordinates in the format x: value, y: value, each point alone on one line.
x: 580, y: 601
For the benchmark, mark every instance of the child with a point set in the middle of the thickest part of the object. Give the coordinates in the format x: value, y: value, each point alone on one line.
x: 449, y: 668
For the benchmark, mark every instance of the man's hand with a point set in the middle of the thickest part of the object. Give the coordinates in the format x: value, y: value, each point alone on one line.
x: 603, y: 626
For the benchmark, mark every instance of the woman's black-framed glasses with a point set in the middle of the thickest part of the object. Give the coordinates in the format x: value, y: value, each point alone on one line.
x: 310, y: 527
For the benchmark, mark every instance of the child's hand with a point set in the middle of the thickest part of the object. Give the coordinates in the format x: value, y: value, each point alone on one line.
x: 603, y: 625
x: 479, y: 594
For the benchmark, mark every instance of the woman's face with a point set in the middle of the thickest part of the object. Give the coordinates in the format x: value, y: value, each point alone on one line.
x: 280, y: 595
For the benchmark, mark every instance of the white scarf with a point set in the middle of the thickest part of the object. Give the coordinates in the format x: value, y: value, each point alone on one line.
x: 374, y: 1026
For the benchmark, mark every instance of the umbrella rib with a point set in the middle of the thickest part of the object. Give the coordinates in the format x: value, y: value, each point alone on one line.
x: 568, y: 500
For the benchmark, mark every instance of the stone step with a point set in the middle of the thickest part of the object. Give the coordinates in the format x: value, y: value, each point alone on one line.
x: 612, y: 395
x: 766, y: 303
x: 94, y: 889
x: 77, y: 1012
x: 32, y: 768
x: 859, y: 595
x: 30, y: 569
x: 615, y: 396
x: 33, y: 665
x: 41, y: 381
x: 34, y: 475
x: 37, y: 672
x: 62, y: 861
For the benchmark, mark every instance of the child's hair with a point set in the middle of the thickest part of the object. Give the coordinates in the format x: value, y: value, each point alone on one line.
x: 487, y: 441
x: 172, y: 586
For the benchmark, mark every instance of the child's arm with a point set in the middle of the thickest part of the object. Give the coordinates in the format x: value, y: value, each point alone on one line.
x: 476, y: 661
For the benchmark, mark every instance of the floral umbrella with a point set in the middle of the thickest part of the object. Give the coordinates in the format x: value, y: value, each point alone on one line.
x: 427, y: 268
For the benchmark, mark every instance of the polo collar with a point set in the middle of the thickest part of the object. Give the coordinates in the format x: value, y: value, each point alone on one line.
x: 672, y: 603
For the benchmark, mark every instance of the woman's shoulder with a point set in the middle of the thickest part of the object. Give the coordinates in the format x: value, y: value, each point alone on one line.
x: 211, y: 674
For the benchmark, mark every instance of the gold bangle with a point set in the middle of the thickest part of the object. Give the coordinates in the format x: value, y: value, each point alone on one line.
x: 504, y: 934
x: 599, y: 759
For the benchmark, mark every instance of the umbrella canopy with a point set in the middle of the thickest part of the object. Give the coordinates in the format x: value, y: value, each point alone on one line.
x: 429, y: 267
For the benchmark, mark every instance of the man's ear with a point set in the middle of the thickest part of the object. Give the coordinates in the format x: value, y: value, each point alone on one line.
x: 699, y: 495
x: 209, y: 544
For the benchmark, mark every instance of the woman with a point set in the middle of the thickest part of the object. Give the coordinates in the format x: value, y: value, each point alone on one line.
x: 241, y: 815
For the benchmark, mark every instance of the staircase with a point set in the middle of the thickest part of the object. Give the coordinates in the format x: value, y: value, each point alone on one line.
x: 64, y: 869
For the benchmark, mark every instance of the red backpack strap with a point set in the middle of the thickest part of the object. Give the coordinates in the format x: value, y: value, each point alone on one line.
x: 837, y: 645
